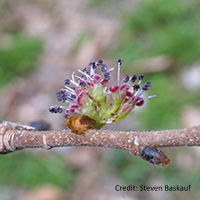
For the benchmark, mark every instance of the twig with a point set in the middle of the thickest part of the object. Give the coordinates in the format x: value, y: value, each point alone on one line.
x: 14, y: 137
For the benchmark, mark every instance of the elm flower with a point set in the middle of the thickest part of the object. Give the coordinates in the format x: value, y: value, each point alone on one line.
x: 91, y: 94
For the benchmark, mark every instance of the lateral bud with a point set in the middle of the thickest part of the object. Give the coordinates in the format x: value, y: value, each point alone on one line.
x: 154, y: 156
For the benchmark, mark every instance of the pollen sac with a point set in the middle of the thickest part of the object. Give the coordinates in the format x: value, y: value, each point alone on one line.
x: 62, y: 95
x: 82, y: 84
x: 146, y: 86
x: 133, y: 78
x: 140, y: 76
x: 119, y: 62
x: 99, y: 62
x: 85, y: 70
x: 104, y: 68
x: 136, y: 87
x: 84, y: 77
x: 101, y: 97
x: 55, y: 109
x: 72, y: 96
x: 92, y: 64
x: 107, y: 76
x: 66, y: 82
x: 126, y: 78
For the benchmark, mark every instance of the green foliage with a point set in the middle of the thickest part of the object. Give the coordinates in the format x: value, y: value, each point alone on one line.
x: 164, y: 110
x: 28, y: 171
x: 160, y: 27
x: 193, y: 98
x: 18, y: 57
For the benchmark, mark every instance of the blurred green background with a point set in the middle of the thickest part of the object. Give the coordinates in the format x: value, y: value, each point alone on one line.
x: 42, y: 42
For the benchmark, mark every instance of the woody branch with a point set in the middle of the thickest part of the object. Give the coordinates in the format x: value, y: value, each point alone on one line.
x: 14, y: 137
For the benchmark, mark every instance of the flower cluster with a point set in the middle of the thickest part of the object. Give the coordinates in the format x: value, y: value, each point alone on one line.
x: 91, y: 94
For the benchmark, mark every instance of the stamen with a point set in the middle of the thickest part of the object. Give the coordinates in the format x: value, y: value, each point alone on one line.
x: 136, y: 87
x: 133, y: 78
x: 73, y: 96
x: 110, y: 69
x: 78, y: 77
x: 126, y: 78
x: 85, y: 70
x: 146, y: 86
x: 104, y: 68
x: 92, y: 64
x: 107, y: 76
x: 118, y: 72
x: 140, y: 77
x: 69, y: 101
x: 62, y: 95
x: 148, y: 82
x: 139, y: 93
x: 87, y: 75
x: 84, y: 77
x: 74, y: 83
x: 66, y: 82
x: 70, y: 89
x: 56, y: 109
x: 103, y: 80
x: 119, y: 61
x: 150, y: 97
x: 82, y: 84
x: 73, y: 76
x: 92, y: 67
x: 99, y: 62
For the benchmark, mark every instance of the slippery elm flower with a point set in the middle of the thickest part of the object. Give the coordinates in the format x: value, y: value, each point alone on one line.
x: 92, y: 95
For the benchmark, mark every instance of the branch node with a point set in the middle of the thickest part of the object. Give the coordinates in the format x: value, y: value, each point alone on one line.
x: 136, y: 142
x: 8, y: 140
x: 45, y: 145
x: 134, y: 148
x: 3, y: 129
x: 7, y: 133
